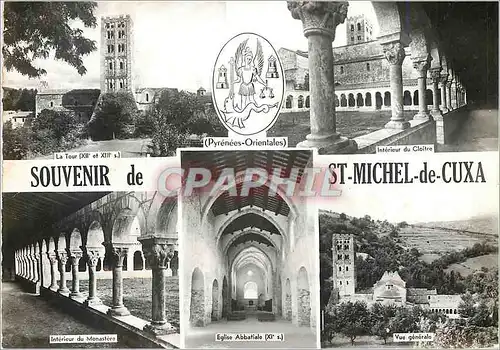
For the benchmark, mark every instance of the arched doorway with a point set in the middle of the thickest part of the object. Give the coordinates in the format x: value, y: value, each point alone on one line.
x: 415, y: 98
x: 428, y: 97
x: 308, y: 101
x: 343, y: 101
x: 215, y: 300
x: 288, y: 300
x: 378, y: 100
x: 303, y: 299
x: 368, y: 99
x: 197, y: 309
x: 352, y: 102
x: 387, y: 99
x: 407, y: 98
x: 359, y: 100
x: 138, y: 261
x: 337, y: 102
x: 250, y: 290
x: 289, y: 102
x: 300, y: 102
x: 225, y: 298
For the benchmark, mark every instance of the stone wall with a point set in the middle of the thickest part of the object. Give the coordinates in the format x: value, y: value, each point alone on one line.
x: 197, y: 308
x: 304, y: 307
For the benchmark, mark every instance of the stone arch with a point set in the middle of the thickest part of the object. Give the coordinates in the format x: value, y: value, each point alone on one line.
x: 138, y: 263
x: 387, y: 99
x: 337, y: 102
x: 378, y: 100
x: 95, y: 235
x: 248, y: 210
x: 240, y: 178
x: 288, y: 301
x: 197, y: 308
x: 251, y: 290
x: 389, y: 18
x: 352, y: 102
x: 429, y: 98
x: 368, y: 99
x: 215, y: 300
x: 51, y: 245
x: 308, y: 101
x: 303, y: 298
x: 225, y: 297
x: 300, y: 101
x: 289, y: 102
x: 249, y: 231
x: 407, y: 98
x: 128, y: 209
x: 359, y: 100
x: 166, y: 218
x: 343, y: 100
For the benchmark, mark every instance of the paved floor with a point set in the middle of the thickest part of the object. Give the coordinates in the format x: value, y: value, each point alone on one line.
x: 478, y: 133
x: 295, y: 337
x: 28, y: 321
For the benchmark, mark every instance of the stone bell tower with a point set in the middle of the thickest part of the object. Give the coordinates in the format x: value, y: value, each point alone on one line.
x: 344, y: 274
x: 116, y: 54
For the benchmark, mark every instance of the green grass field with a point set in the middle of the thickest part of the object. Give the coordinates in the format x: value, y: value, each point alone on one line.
x: 471, y: 265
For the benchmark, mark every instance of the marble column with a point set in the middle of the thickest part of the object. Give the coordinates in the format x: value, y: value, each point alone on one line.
x: 436, y: 76
x: 421, y: 66
x: 63, y: 259
x: 92, y: 257
x: 320, y: 20
x: 24, y: 263
x: 117, y: 256
x: 75, y: 256
x: 36, y: 267
x: 33, y: 267
x: 53, y: 270
x: 158, y: 253
x: 454, y: 94
x: 444, y: 97
x: 394, y: 52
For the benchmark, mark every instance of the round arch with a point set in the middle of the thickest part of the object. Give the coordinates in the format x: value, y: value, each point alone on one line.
x: 248, y: 231
x: 247, y: 210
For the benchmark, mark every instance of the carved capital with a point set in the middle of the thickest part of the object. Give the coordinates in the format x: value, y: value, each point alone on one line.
x: 435, y: 74
x: 62, y: 256
x: 92, y: 257
x: 117, y: 255
x: 158, y: 254
x: 421, y: 66
x: 444, y: 79
x: 75, y: 256
x: 319, y: 17
x: 394, y: 53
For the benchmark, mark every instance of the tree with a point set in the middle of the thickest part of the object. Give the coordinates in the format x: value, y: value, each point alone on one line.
x: 381, y: 320
x: 178, y: 109
x: 32, y: 30
x: 114, y: 114
x: 15, y: 142
x: 353, y: 319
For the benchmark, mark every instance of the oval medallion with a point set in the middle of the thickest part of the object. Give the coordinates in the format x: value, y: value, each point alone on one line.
x: 248, y: 84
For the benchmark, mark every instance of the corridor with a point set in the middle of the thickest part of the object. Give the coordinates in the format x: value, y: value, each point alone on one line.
x: 28, y: 320
x: 479, y: 132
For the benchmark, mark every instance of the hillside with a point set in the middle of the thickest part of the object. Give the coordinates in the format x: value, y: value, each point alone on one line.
x: 482, y: 224
x: 474, y: 264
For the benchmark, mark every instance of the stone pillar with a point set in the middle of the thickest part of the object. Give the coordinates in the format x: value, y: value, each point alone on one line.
x: 394, y: 52
x: 33, y: 263
x: 421, y: 66
x: 63, y: 259
x: 36, y: 267
x: 53, y: 270
x: 75, y: 256
x: 444, y: 97
x: 159, y: 253
x: 320, y: 20
x: 117, y: 256
x: 92, y: 257
x: 454, y: 94
x: 436, y: 75
x: 448, y: 87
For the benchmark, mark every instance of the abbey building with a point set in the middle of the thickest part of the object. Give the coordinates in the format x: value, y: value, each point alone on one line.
x: 390, y: 289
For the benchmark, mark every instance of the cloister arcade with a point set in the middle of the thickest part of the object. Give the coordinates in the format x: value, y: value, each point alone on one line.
x: 248, y: 255
x: 109, y: 239
x: 405, y: 32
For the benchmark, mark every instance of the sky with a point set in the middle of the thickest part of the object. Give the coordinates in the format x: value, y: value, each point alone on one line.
x: 176, y: 43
